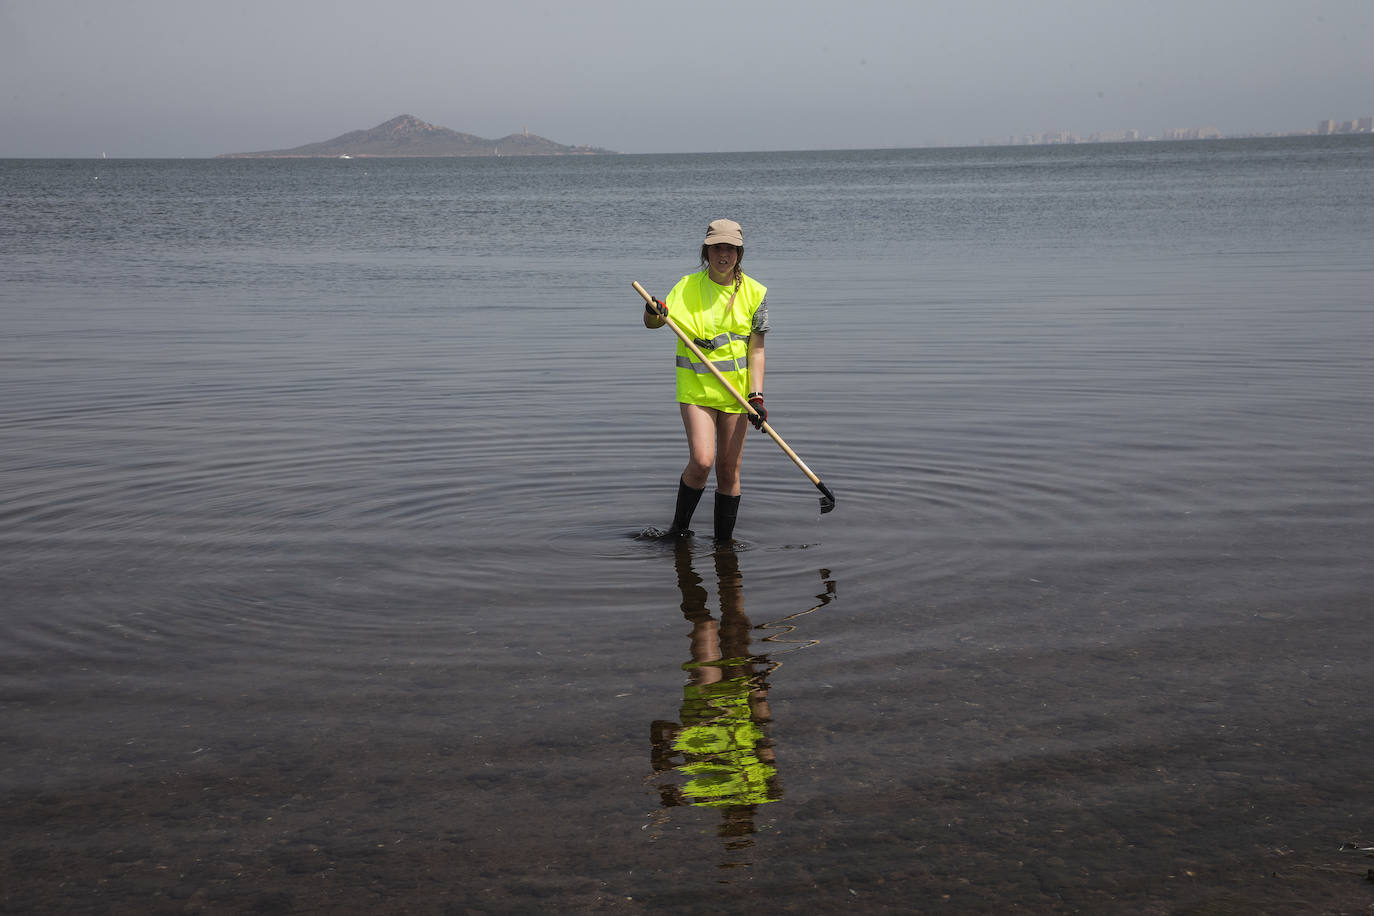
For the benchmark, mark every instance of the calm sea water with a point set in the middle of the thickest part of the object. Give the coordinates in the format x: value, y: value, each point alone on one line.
x: 320, y: 587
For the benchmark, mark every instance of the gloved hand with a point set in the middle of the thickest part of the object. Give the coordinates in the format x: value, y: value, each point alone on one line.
x: 656, y: 306
x: 756, y: 402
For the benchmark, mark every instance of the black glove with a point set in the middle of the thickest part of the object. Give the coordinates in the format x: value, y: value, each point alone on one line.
x: 656, y: 306
x: 756, y: 402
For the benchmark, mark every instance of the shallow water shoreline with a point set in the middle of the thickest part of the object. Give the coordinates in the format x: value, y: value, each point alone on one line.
x: 1186, y: 770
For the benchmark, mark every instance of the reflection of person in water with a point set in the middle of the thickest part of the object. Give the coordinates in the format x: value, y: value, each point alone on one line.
x: 721, y: 746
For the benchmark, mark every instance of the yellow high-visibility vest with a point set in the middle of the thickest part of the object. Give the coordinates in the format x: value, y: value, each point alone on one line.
x: 720, y: 328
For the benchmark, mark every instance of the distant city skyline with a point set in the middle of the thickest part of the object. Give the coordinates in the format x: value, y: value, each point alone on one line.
x: 1325, y: 127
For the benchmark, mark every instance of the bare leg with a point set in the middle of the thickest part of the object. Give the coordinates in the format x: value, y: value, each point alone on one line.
x: 700, y: 424
x: 730, y: 431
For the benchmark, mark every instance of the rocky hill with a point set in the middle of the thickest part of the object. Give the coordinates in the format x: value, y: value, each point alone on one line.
x: 407, y: 136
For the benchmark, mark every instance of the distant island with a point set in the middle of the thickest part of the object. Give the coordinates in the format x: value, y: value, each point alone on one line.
x: 407, y: 136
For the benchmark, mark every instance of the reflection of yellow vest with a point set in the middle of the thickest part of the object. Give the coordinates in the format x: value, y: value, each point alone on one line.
x: 720, y: 329
x: 720, y: 741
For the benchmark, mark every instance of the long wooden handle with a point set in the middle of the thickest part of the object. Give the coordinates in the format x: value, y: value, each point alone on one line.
x: 744, y: 402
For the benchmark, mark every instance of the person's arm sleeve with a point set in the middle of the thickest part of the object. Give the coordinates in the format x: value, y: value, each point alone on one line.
x: 760, y: 324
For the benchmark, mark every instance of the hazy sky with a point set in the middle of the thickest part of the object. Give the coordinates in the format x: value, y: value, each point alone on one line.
x: 196, y: 78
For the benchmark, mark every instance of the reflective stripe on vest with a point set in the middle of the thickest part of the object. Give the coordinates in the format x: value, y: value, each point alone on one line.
x: 720, y: 340
x: 724, y: 365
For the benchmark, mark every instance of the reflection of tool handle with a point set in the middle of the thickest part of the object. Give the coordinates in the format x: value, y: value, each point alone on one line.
x: 827, y: 498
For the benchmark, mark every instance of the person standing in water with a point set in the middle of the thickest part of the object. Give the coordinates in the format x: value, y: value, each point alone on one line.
x: 725, y: 312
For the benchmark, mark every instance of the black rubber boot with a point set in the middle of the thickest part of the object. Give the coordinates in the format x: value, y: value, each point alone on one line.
x: 687, y: 499
x: 727, y: 507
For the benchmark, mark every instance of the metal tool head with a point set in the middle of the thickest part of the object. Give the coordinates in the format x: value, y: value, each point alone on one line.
x: 827, y: 498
